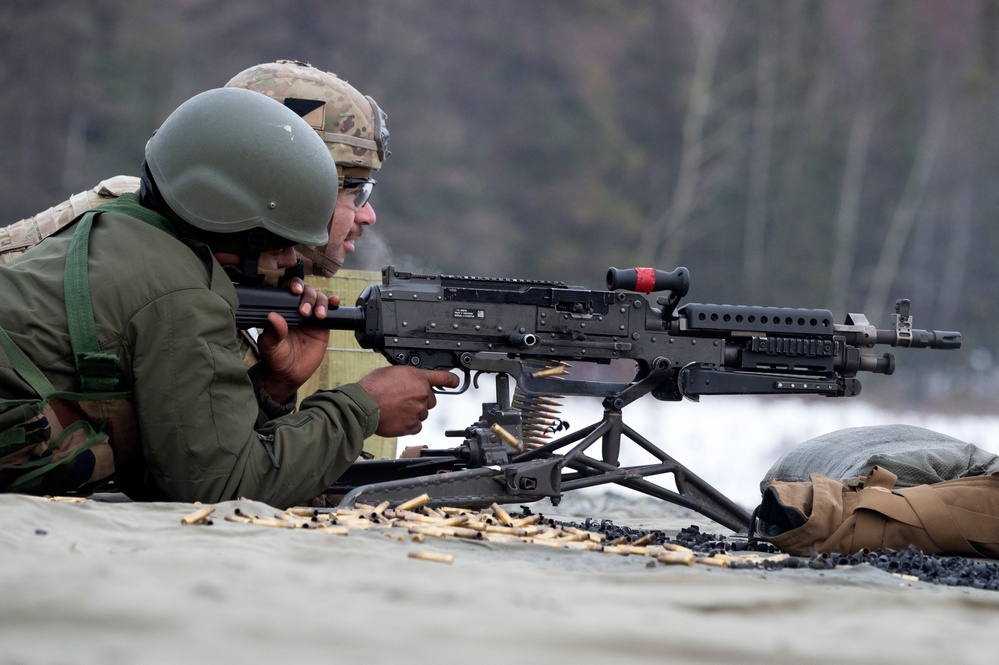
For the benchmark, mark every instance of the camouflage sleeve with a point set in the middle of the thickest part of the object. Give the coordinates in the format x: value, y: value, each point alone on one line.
x: 197, y: 412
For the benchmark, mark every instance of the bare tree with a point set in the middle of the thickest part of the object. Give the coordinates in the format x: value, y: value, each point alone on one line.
x: 958, y: 248
x: 904, y: 216
x: 848, y: 207
x: 754, y: 240
x: 709, y: 22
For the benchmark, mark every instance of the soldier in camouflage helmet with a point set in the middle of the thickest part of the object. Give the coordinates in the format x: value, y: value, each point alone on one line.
x: 354, y: 130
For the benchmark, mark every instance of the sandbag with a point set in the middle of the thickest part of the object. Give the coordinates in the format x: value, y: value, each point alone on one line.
x: 915, y: 455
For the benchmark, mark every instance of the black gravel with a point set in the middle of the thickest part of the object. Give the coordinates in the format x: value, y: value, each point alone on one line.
x: 936, y: 569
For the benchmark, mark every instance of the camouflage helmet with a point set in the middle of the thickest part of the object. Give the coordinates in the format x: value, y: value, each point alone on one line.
x: 229, y: 160
x: 350, y: 123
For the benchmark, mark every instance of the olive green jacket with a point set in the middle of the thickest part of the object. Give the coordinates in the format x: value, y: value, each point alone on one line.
x: 166, y: 308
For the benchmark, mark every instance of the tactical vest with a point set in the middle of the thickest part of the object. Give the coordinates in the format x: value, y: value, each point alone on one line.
x: 62, y: 442
x: 21, y: 236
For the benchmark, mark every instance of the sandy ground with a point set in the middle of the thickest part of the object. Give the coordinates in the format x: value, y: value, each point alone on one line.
x: 107, y: 582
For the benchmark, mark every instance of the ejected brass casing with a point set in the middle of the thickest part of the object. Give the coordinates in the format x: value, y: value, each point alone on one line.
x: 415, y: 502
x: 432, y: 556
x: 507, y: 438
x: 558, y: 370
x: 495, y: 526
x: 199, y: 516
x: 501, y: 514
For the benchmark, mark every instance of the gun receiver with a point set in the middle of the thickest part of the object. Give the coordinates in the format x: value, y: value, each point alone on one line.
x: 530, y: 330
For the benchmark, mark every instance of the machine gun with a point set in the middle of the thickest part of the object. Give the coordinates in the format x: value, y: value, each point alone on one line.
x: 531, y: 331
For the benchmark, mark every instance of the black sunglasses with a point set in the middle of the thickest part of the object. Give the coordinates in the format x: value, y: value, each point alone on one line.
x: 362, y: 187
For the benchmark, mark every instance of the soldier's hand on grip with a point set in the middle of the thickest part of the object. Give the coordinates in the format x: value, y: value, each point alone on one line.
x: 405, y: 396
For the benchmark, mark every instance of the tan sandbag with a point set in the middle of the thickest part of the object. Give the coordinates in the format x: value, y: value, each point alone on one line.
x: 956, y: 517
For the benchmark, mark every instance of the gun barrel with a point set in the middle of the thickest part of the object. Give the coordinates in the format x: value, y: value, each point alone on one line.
x: 921, y: 339
x: 255, y: 302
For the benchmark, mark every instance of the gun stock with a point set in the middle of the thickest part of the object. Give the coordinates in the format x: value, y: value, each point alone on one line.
x: 256, y: 302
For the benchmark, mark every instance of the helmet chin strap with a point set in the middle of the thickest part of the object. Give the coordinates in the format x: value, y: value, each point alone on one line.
x: 256, y: 240
x: 321, y: 264
x: 267, y: 277
x: 250, y: 273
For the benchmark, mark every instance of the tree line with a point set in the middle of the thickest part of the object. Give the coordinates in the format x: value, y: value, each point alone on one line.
x: 788, y: 152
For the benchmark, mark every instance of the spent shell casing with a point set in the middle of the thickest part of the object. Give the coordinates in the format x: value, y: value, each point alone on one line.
x: 415, y: 502
x: 199, y: 516
x: 333, y: 530
x: 501, y: 515
x: 647, y: 539
x: 302, y: 511
x: 242, y: 519
x: 501, y: 538
x: 676, y: 558
x: 432, y: 556
x: 527, y: 521
x: 506, y: 436
x: 558, y: 370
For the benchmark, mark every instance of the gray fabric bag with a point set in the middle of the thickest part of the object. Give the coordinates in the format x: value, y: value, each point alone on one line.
x: 915, y: 455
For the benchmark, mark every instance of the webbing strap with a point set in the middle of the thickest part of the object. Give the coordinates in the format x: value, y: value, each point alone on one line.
x: 45, y: 464
x: 95, y: 369
x: 26, y: 369
x: 128, y: 203
x: 868, y: 529
x: 937, y: 519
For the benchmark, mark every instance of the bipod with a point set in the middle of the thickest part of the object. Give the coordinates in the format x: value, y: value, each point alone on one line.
x: 485, y: 469
x: 692, y: 491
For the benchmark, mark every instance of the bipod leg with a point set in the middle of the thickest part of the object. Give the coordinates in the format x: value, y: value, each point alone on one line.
x: 692, y: 491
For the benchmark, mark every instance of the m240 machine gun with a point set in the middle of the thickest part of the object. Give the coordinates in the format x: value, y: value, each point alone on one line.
x: 530, y: 331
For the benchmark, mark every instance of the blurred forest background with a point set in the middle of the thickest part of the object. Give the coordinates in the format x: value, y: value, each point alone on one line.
x: 803, y: 153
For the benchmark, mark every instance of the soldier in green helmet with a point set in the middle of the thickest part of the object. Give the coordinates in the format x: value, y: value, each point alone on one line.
x: 231, y: 183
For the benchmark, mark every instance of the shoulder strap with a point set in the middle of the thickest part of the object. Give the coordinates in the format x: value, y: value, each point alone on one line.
x: 128, y: 203
x: 26, y: 369
x: 96, y: 370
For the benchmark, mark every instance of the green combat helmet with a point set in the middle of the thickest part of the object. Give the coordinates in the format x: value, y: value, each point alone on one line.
x: 350, y: 123
x: 229, y: 160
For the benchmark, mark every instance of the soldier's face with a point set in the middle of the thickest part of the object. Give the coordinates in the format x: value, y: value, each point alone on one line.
x: 346, y: 226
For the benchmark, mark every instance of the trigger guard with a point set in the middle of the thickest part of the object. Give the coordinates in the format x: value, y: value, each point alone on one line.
x: 460, y: 389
